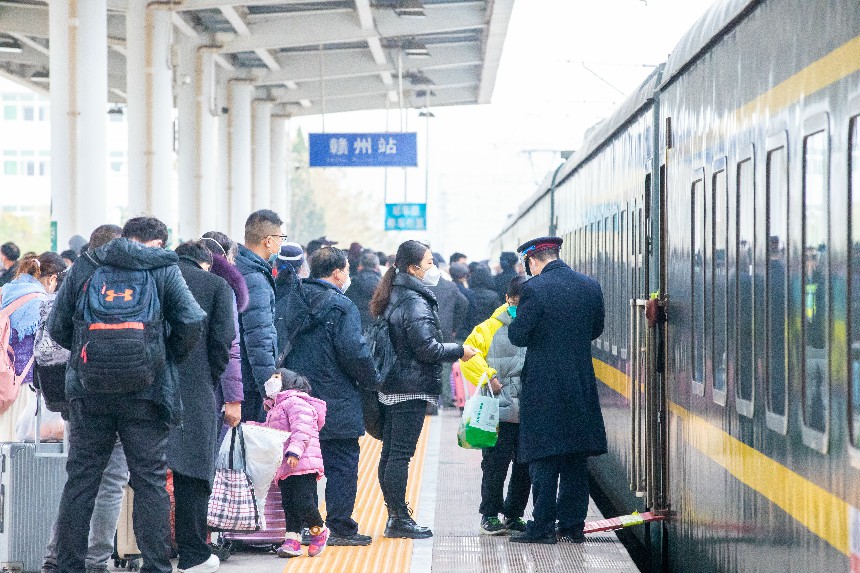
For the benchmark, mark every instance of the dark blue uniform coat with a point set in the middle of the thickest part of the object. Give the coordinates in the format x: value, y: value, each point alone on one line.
x: 560, y: 313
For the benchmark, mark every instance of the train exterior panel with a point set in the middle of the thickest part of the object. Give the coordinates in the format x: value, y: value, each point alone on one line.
x: 723, y: 190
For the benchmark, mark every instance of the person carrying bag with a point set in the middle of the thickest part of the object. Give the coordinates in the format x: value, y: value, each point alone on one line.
x: 233, y: 505
x: 479, y: 426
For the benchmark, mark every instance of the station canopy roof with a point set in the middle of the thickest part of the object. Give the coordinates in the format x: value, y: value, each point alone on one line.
x: 308, y: 57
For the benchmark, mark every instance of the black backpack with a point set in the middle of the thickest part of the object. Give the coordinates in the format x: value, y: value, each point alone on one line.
x: 379, y: 340
x: 122, y: 332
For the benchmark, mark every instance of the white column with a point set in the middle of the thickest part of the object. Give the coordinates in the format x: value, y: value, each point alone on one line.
x: 261, y: 193
x: 239, y: 146
x: 279, y: 168
x: 78, y: 58
x: 197, y: 144
x: 150, y: 112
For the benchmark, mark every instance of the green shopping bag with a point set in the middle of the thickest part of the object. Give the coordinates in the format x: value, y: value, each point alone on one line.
x: 479, y: 426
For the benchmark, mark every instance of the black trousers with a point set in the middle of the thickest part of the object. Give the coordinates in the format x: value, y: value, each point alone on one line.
x: 95, y: 425
x: 192, y: 500
x: 252, y: 405
x: 400, y: 432
x: 299, y: 500
x: 494, y: 465
x: 567, y: 475
x: 340, y: 458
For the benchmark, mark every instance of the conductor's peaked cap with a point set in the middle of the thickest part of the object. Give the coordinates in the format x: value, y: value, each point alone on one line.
x: 540, y: 244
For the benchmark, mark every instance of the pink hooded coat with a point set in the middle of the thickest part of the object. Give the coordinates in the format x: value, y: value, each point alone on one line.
x: 303, y: 416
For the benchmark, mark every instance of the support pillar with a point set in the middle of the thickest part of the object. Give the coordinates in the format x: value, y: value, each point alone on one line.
x: 78, y: 58
x: 150, y: 111
x: 280, y: 178
x: 240, y: 93
x: 198, y: 127
x: 261, y: 193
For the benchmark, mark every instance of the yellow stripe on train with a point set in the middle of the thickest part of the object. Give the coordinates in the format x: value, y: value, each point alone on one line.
x: 823, y: 513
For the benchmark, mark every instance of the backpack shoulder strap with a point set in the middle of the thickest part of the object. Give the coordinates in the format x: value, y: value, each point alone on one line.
x: 19, y: 303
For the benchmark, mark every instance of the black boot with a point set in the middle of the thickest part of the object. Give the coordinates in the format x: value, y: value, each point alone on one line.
x: 401, y: 524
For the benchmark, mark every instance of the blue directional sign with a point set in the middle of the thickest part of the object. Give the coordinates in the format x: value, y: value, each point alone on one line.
x: 363, y: 150
x: 406, y: 216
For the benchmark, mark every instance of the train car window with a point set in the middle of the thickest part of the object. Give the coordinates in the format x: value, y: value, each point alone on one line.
x: 719, y: 189
x: 854, y: 282
x: 738, y: 317
x: 610, y: 282
x: 776, y: 181
x: 624, y: 285
x: 697, y: 265
x: 815, y: 272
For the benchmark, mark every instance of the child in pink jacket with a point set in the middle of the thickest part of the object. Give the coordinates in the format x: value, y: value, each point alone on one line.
x: 291, y: 408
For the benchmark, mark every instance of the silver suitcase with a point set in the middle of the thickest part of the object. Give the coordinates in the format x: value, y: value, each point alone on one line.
x: 32, y: 478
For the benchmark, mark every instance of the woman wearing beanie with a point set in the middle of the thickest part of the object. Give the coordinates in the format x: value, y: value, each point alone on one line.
x: 405, y: 301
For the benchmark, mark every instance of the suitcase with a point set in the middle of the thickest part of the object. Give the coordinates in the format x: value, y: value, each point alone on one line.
x: 272, y: 536
x: 32, y: 477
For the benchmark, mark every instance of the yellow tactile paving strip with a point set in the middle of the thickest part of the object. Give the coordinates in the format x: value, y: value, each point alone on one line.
x: 388, y: 555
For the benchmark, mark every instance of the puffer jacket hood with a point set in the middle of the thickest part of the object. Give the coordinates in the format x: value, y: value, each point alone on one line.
x: 417, y: 339
x: 128, y: 254
x: 303, y: 416
x: 227, y: 271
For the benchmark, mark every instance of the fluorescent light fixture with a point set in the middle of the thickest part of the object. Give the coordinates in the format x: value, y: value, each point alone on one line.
x: 291, y: 85
x: 416, y: 49
x: 305, y: 103
x: 40, y: 76
x: 10, y: 45
x: 410, y: 9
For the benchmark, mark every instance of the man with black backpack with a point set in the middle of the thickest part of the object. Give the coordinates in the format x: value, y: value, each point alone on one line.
x: 325, y: 344
x: 127, y: 316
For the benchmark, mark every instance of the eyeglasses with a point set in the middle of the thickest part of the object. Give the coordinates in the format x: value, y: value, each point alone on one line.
x: 283, y: 238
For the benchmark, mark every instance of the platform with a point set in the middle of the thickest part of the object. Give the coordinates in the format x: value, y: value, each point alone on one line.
x: 444, y: 489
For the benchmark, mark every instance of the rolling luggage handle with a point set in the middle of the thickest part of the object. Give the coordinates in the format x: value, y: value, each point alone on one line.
x: 48, y: 452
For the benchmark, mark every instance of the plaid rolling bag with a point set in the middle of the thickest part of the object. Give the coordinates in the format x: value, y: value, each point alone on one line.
x: 232, y: 505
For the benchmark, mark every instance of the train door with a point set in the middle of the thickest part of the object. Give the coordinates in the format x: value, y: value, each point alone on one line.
x: 649, y: 471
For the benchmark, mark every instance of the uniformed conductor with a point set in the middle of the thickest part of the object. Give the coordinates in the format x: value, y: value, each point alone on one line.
x: 560, y: 313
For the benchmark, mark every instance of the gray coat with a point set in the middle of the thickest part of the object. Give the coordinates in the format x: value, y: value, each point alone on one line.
x: 508, y: 361
x: 191, y: 446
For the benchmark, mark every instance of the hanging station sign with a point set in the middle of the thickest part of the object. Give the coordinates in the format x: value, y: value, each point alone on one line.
x: 363, y: 149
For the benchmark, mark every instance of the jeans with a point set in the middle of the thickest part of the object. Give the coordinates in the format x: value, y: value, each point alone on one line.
x: 94, y: 425
x: 568, y: 475
x: 494, y: 465
x: 299, y: 502
x: 340, y: 458
x: 105, y: 516
x: 192, y: 501
x: 400, y: 432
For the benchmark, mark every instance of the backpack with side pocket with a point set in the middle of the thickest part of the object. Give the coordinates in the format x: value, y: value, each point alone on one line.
x: 379, y: 340
x: 10, y: 383
x: 122, y: 333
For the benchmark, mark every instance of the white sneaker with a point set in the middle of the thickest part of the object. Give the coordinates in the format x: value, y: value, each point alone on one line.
x: 209, y: 566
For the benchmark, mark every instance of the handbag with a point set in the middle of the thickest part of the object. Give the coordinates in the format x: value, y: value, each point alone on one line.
x: 479, y: 426
x: 232, y: 504
x: 372, y: 410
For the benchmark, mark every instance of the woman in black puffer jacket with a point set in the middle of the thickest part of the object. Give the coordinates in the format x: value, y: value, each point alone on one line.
x: 404, y: 299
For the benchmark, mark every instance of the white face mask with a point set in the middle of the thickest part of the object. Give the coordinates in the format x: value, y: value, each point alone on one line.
x: 346, y: 283
x: 431, y: 276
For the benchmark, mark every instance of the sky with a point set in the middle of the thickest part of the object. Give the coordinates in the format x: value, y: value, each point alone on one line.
x: 566, y: 64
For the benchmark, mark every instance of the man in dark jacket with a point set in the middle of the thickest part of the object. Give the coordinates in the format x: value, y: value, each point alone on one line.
x: 9, y: 255
x: 453, y: 306
x: 508, y: 261
x: 559, y: 314
x: 191, y: 447
x: 329, y: 348
x: 257, y: 323
x: 363, y: 285
x: 140, y: 419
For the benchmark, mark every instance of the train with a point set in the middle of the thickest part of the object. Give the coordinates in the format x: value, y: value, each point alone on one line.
x: 719, y: 208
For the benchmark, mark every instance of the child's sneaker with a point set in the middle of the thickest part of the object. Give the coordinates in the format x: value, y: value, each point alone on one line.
x: 490, y: 525
x: 318, y: 541
x: 291, y: 546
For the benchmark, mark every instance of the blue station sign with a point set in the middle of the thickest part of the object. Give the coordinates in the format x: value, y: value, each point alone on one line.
x: 406, y: 216
x: 363, y: 150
